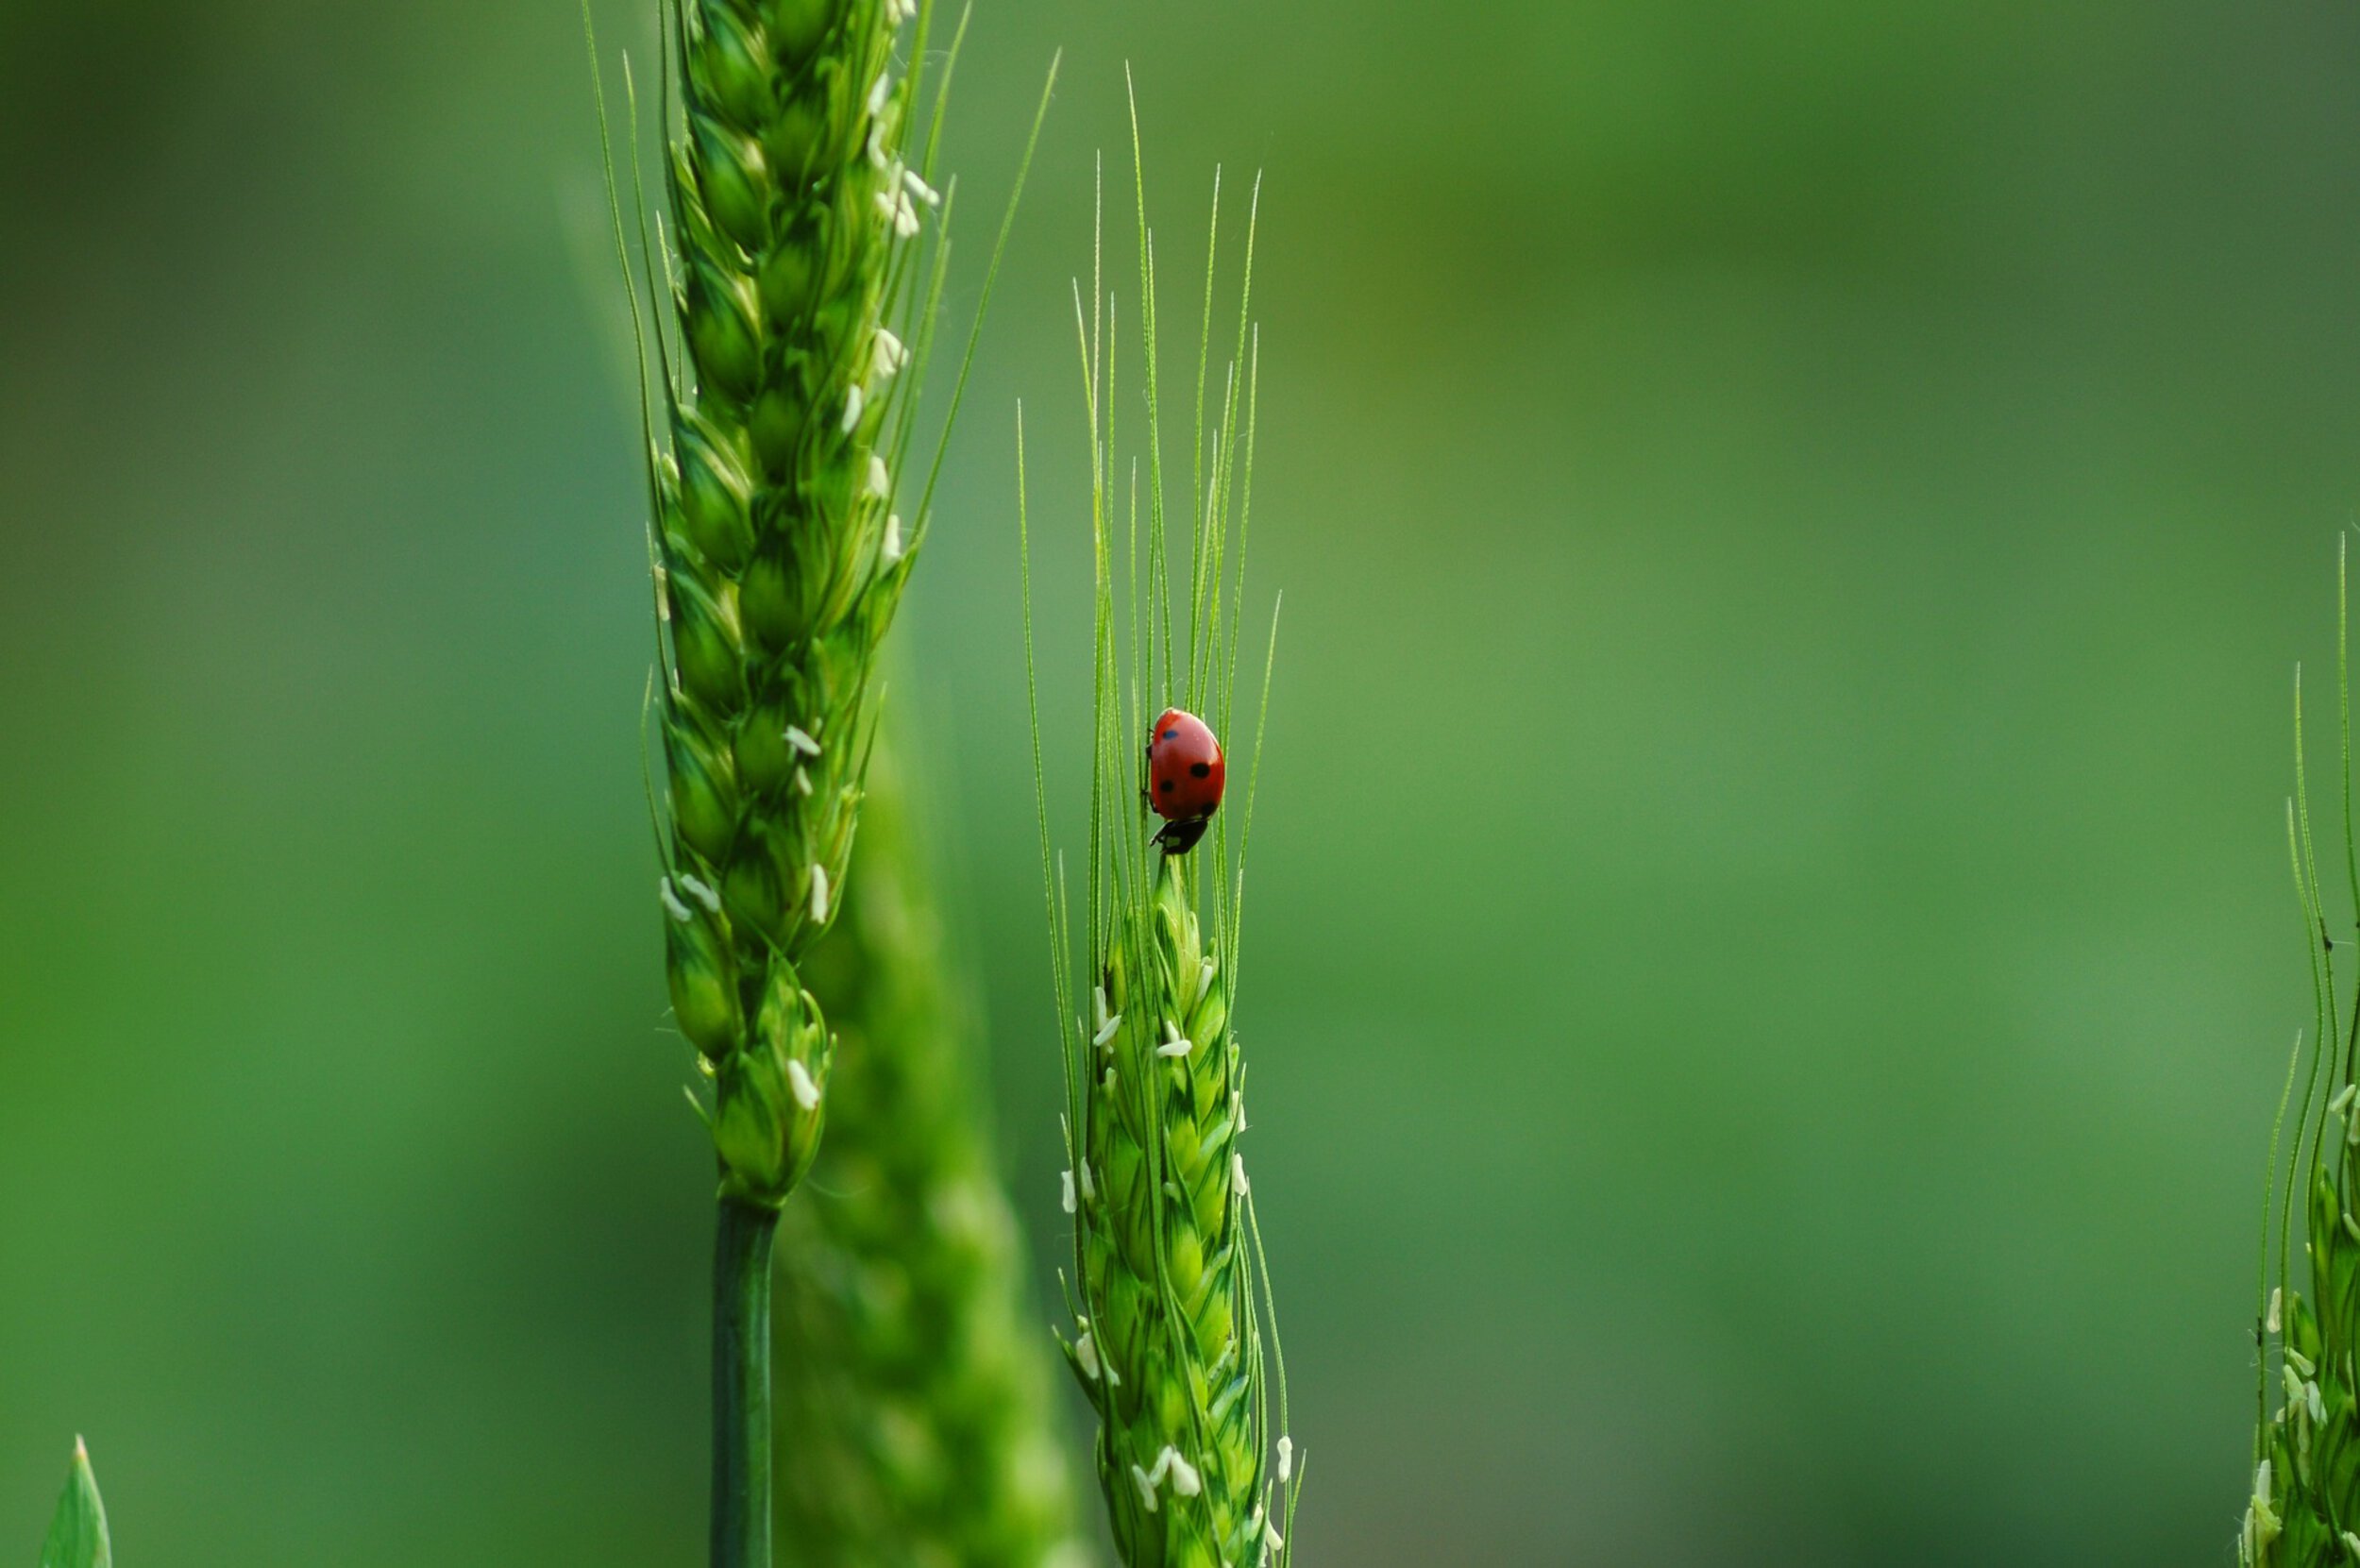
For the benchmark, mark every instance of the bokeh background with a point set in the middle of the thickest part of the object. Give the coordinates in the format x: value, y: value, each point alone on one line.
x: 1773, y: 951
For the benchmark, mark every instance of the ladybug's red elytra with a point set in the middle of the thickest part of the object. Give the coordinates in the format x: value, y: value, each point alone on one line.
x: 1185, y: 774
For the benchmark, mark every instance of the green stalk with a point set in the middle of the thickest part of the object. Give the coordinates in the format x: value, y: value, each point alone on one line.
x: 913, y: 1374
x: 741, y: 1384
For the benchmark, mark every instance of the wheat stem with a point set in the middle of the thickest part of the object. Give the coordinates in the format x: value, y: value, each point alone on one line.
x: 741, y: 1384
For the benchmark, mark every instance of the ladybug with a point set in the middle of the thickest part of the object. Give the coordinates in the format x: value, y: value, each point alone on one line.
x: 1184, y: 773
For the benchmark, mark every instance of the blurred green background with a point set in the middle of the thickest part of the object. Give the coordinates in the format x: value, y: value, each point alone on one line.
x: 1772, y: 953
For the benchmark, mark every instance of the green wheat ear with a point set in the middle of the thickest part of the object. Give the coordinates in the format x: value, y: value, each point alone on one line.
x: 1173, y: 1341
x: 2304, y: 1508
x: 913, y: 1378
x: 780, y: 558
x: 792, y: 300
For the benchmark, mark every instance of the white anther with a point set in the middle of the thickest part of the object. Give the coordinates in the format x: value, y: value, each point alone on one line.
x: 1174, y: 1044
x: 2262, y: 1527
x: 1090, y: 1188
x: 1203, y: 981
x: 879, y: 91
x: 880, y: 482
x: 1098, y: 1004
x: 1238, y: 1184
x: 803, y: 782
x: 2270, y: 1319
x: 819, y: 894
x: 1163, y: 1465
x: 799, y: 1080
x: 896, y: 207
x: 1065, y: 1191
x: 702, y: 894
x: 1236, y: 1107
x: 800, y: 739
x: 891, y: 548
x: 1271, y: 1539
x: 920, y: 189
x: 1085, y: 1357
x: 1286, y: 1459
x: 1147, y: 1488
x: 877, y: 154
x: 672, y: 905
x: 2301, y: 1362
x: 853, y: 397
x: 1186, y: 1482
x: 890, y: 355
x: 1106, y: 1031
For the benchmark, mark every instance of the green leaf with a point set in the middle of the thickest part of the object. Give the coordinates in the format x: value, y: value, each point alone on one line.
x: 77, y: 1535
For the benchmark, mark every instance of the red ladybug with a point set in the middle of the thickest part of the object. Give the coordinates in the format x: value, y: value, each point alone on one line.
x: 1184, y: 773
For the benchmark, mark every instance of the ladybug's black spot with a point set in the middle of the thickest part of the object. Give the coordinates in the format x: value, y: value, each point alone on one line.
x: 1171, y: 734
x: 1202, y: 769
x: 1165, y: 786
